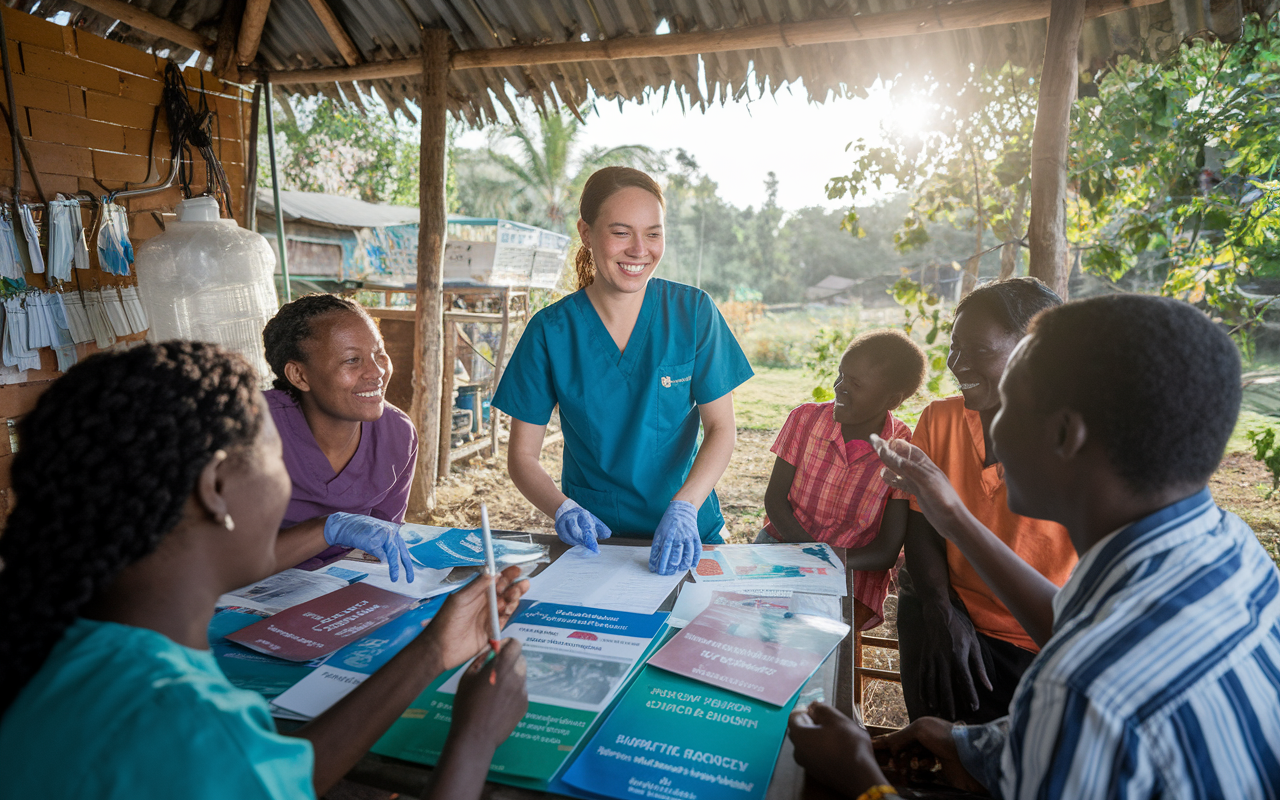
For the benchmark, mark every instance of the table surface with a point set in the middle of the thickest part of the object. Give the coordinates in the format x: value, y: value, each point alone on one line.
x: 835, y: 677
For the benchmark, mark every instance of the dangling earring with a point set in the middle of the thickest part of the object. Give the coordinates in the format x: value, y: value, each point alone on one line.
x: 229, y: 523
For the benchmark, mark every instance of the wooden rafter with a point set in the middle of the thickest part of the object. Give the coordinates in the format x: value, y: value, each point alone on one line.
x: 147, y: 22
x: 346, y: 47
x: 932, y: 19
x: 255, y: 17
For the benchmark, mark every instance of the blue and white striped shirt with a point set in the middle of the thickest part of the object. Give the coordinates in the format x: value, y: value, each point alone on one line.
x: 1162, y: 678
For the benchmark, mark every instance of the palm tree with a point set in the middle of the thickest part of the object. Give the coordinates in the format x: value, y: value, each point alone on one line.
x: 540, y: 182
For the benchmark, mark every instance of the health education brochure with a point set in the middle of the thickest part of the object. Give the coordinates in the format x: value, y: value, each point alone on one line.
x: 617, y: 579
x: 321, y: 626
x: 752, y: 646
x: 578, y: 659
x: 810, y: 567
x: 442, y: 548
x: 283, y: 590
x: 246, y: 669
x: 670, y: 737
x: 352, y: 665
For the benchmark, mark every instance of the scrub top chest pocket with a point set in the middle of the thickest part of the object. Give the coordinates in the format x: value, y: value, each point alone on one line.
x: 674, y: 386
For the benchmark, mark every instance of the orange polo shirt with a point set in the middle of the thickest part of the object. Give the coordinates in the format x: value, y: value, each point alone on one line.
x: 951, y: 435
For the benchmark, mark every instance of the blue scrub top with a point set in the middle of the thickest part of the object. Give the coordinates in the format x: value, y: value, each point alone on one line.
x: 124, y: 713
x: 630, y: 419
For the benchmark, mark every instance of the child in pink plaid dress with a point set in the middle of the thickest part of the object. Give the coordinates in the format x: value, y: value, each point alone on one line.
x: 826, y: 483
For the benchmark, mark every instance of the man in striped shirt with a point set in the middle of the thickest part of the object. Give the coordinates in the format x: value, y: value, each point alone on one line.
x: 1160, y: 669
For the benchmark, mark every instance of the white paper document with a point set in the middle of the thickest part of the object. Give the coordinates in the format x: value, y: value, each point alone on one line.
x: 426, y: 582
x: 812, y: 567
x: 618, y: 579
x: 283, y: 590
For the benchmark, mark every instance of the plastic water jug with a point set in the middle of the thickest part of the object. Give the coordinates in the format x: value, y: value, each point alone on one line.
x: 210, y: 280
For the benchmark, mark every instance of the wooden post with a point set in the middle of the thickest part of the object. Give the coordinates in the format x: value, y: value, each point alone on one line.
x: 500, y: 358
x: 444, y: 460
x: 428, y: 363
x: 1048, y: 226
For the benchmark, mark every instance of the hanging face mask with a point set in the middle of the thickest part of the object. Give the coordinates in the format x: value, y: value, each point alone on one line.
x: 10, y: 262
x: 62, y: 238
x: 32, y: 234
x: 79, y: 250
x: 133, y: 310
x: 15, y: 352
x: 115, y: 253
x: 77, y: 317
x: 115, y: 311
x: 98, y: 322
x: 63, y: 346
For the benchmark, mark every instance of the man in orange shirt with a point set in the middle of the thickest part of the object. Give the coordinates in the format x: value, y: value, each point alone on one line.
x: 962, y: 650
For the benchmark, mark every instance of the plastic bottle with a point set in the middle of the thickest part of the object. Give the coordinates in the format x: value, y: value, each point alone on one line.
x: 210, y: 280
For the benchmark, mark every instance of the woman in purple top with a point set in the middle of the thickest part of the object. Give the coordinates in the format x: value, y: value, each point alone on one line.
x: 349, y: 454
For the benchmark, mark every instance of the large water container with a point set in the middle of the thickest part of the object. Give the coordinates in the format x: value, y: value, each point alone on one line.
x: 210, y: 280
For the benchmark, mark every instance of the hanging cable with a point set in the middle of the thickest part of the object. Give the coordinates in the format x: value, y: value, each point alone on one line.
x: 189, y: 128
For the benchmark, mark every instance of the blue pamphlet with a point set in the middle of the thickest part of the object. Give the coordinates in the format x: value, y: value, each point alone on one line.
x: 459, y: 547
x: 672, y: 737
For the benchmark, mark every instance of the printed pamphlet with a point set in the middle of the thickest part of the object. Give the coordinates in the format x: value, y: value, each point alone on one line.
x: 671, y: 737
x: 811, y: 567
x: 752, y: 646
x: 321, y: 626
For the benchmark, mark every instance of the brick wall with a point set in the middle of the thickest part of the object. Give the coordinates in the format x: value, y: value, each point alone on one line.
x: 85, y: 106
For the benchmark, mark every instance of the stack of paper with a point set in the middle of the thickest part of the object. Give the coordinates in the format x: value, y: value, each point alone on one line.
x: 338, y: 675
x: 618, y: 579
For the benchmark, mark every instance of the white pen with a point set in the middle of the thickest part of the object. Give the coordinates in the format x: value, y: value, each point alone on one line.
x: 493, y: 577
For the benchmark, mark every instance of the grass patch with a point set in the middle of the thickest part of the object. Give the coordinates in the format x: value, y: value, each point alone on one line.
x: 763, y: 402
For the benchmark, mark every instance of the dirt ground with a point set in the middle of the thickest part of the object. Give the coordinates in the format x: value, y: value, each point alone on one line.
x: 1239, y: 486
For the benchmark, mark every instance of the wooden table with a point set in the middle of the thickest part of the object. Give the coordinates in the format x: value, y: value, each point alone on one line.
x: 835, y: 677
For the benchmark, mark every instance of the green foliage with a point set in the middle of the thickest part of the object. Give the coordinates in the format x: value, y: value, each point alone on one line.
x: 336, y: 147
x: 921, y: 308
x: 1265, y: 450
x: 535, y: 173
x: 970, y: 168
x: 1175, y: 164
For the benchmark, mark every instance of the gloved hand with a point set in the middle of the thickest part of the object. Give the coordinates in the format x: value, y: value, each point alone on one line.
x: 576, y: 525
x: 374, y: 536
x: 676, y: 544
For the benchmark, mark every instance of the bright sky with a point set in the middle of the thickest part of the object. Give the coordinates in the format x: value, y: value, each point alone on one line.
x: 738, y: 144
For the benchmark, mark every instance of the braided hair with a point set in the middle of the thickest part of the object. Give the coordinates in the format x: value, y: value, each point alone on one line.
x: 602, y: 185
x: 108, y: 459
x: 291, y: 326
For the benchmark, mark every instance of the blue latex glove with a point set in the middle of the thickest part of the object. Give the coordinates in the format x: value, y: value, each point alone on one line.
x: 575, y: 525
x: 676, y: 544
x: 374, y: 536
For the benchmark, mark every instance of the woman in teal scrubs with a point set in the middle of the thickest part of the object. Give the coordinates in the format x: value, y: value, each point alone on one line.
x: 635, y: 363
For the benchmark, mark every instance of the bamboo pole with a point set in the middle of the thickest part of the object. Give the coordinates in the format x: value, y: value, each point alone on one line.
x: 338, y: 34
x: 255, y: 17
x: 1046, y: 233
x: 147, y: 22
x: 428, y: 366
x: 931, y: 19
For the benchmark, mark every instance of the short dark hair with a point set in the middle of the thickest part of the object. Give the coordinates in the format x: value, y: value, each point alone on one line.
x: 284, y: 334
x: 1011, y: 302
x: 902, y: 359
x: 110, y: 456
x: 1153, y: 377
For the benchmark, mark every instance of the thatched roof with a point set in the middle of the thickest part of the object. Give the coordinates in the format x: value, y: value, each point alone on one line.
x: 381, y: 36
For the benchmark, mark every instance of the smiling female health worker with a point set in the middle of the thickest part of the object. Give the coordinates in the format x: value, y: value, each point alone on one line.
x: 635, y: 363
x: 350, y: 454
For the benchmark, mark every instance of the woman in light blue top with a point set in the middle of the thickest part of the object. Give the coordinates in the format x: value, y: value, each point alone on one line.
x: 150, y: 482
x: 635, y: 364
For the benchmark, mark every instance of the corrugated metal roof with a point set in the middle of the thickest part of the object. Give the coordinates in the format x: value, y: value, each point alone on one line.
x: 335, y: 210
x: 389, y: 30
